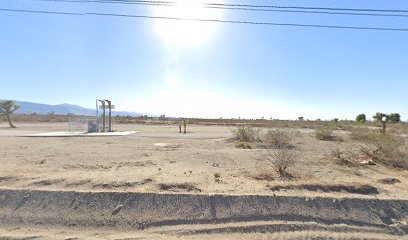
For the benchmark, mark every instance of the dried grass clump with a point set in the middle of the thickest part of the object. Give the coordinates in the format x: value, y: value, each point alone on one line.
x: 324, y: 134
x: 388, y: 149
x: 282, y: 159
x: 245, y: 134
x: 278, y: 140
x: 243, y: 145
x: 347, y: 157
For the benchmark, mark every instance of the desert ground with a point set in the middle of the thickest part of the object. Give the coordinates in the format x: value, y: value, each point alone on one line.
x: 162, y: 166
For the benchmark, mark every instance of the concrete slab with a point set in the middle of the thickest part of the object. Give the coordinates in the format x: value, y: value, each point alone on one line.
x: 80, y: 134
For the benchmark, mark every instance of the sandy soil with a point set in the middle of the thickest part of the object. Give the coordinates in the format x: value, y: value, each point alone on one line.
x: 160, y: 155
x: 157, y: 159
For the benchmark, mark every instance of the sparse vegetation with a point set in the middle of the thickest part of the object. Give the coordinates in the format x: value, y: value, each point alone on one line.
x: 387, y: 149
x: 244, y: 145
x: 278, y: 139
x: 245, y: 134
x: 360, y: 133
x: 217, y: 177
x: 282, y: 160
x: 324, y: 134
x: 347, y: 157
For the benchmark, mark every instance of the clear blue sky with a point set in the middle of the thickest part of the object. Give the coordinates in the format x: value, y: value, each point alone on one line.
x: 198, y: 69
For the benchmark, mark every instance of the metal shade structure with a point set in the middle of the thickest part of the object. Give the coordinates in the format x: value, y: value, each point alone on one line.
x: 105, y: 104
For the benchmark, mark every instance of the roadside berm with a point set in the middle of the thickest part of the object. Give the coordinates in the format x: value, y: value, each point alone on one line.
x: 142, y: 211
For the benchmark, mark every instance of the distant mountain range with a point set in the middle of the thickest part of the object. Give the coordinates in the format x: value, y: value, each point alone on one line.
x: 63, y: 109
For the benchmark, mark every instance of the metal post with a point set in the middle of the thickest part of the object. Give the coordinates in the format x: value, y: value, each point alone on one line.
x: 97, y: 112
x: 110, y: 114
x: 103, y: 114
x: 104, y: 117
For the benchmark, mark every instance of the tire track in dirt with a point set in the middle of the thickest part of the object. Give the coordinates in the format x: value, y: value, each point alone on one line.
x: 149, y: 210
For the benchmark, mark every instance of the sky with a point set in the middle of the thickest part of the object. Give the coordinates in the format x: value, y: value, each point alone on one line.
x: 206, y: 69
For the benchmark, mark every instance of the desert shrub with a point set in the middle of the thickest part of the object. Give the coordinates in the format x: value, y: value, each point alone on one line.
x: 361, y: 134
x: 348, y: 157
x: 388, y: 149
x: 282, y: 159
x: 334, y: 151
x: 245, y: 134
x: 243, y: 145
x: 217, y: 177
x: 324, y: 134
x: 277, y: 139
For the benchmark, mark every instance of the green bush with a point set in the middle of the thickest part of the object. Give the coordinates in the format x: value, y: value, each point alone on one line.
x: 394, y: 118
x: 361, y: 118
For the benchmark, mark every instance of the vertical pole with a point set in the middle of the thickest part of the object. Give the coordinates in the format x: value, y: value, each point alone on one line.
x: 69, y: 122
x: 104, y: 116
x: 384, y: 123
x: 97, y: 115
x: 384, y: 126
x: 110, y: 114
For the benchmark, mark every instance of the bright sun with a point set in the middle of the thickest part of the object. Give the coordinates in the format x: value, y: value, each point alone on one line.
x: 180, y: 32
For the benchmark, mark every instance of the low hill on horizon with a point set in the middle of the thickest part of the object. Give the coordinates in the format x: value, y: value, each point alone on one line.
x: 63, y: 109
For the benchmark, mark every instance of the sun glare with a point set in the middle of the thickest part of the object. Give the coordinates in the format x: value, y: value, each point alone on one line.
x: 186, y: 32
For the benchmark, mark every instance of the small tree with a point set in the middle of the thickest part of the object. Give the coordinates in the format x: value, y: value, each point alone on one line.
x: 394, y: 118
x: 379, y: 116
x: 300, y: 118
x: 7, y: 108
x: 361, y: 118
x: 383, y: 118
